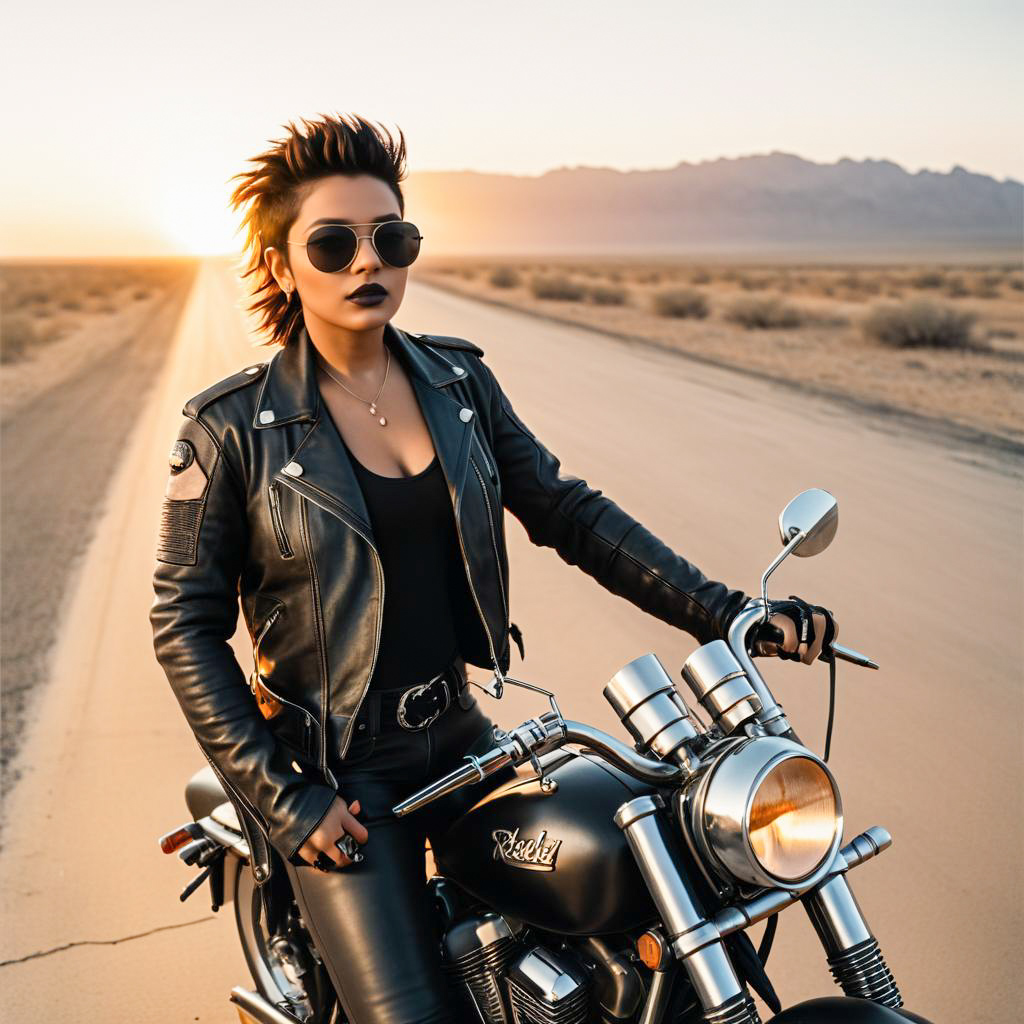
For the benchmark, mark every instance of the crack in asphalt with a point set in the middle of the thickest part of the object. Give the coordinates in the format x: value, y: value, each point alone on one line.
x: 104, y: 942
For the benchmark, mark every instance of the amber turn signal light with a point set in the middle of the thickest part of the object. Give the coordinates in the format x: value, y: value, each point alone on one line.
x: 175, y: 840
x: 651, y: 949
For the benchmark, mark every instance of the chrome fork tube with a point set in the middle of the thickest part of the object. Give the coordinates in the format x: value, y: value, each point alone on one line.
x: 852, y: 951
x: 694, y: 940
x: 836, y: 916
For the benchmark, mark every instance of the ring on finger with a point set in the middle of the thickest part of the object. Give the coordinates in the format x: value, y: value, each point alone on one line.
x: 349, y: 847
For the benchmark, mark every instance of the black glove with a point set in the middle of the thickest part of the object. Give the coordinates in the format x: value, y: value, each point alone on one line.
x: 769, y: 638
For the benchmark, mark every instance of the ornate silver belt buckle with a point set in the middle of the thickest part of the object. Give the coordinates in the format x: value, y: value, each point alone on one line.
x: 408, y: 718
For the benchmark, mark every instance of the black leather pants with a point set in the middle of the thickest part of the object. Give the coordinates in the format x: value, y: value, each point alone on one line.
x: 372, y: 922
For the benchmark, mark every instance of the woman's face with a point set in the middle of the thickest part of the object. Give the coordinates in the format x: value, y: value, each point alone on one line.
x: 359, y: 199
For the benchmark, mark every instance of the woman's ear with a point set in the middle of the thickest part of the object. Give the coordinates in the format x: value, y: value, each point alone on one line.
x: 279, y: 269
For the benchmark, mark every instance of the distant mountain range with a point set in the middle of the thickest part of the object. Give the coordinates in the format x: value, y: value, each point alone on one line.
x: 751, y: 202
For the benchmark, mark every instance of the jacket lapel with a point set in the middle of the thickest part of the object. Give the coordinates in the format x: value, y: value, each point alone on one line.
x: 289, y: 394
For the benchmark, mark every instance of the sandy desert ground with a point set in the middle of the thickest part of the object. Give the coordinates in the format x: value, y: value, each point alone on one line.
x: 924, y: 575
x: 82, y: 345
x: 808, y: 325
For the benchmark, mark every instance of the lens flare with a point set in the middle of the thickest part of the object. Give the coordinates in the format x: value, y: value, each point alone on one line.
x: 793, y: 818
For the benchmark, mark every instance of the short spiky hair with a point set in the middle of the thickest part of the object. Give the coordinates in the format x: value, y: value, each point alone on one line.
x: 274, y: 189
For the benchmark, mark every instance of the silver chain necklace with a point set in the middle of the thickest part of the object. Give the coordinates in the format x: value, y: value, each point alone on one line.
x: 382, y: 420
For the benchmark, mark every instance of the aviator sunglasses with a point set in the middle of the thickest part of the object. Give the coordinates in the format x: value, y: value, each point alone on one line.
x: 333, y: 247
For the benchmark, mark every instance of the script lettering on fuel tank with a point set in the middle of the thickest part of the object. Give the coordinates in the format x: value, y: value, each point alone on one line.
x: 532, y: 854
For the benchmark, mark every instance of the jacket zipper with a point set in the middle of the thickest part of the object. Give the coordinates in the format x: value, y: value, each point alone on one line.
x: 257, y: 817
x: 494, y: 538
x: 325, y: 502
x: 283, y: 544
x: 308, y: 718
x: 513, y: 629
x: 476, y: 600
x: 487, y: 462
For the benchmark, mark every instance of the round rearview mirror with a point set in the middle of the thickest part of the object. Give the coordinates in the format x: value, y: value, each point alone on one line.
x: 815, y: 514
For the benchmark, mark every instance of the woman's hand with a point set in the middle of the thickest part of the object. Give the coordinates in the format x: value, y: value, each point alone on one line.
x: 337, y: 822
x: 796, y: 631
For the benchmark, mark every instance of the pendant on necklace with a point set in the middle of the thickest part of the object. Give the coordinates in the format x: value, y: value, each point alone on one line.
x: 373, y: 412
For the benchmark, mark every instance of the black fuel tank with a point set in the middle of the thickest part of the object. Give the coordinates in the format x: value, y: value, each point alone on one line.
x: 556, y: 861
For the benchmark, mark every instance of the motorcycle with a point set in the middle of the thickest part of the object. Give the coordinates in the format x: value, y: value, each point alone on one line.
x: 611, y: 883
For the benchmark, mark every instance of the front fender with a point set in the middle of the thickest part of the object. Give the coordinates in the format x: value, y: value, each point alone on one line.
x: 840, y: 1010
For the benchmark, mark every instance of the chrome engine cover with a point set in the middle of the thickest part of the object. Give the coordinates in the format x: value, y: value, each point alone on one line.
x: 545, y: 988
x: 476, y: 956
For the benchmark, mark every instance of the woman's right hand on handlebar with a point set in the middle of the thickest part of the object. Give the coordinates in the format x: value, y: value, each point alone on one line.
x: 339, y: 821
x: 795, y: 630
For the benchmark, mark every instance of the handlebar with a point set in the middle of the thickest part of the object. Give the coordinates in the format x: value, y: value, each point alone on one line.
x: 548, y: 731
x: 536, y: 736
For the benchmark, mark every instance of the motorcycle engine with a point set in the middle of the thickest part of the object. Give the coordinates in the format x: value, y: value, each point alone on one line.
x: 508, y: 983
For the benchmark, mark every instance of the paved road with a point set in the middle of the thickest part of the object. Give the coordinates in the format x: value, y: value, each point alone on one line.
x: 925, y: 575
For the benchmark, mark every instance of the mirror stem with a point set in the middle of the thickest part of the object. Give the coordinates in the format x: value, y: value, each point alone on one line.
x: 794, y: 541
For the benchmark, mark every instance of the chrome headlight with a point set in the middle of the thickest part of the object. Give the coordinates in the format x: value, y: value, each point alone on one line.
x: 768, y: 811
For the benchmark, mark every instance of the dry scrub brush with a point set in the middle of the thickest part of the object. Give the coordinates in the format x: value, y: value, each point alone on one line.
x: 920, y: 323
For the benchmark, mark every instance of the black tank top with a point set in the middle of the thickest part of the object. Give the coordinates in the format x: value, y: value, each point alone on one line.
x: 427, y: 604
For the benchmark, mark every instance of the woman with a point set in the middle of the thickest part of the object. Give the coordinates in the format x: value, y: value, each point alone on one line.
x: 364, y: 461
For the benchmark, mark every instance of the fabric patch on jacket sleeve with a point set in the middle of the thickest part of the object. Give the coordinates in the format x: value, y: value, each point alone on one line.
x: 184, y: 501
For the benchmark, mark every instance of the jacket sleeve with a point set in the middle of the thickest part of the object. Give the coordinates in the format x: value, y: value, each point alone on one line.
x: 589, y: 530
x: 203, y: 539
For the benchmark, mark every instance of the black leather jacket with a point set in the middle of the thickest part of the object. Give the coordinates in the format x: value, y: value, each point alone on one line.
x: 262, y: 504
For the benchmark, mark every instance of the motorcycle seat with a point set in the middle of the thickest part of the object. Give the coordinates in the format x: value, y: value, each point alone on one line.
x: 204, y: 793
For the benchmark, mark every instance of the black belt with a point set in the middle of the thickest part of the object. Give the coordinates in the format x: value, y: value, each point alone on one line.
x: 412, y: 708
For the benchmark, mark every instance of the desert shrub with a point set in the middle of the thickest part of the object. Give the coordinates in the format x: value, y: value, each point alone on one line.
x: 35, y: 297
x: 857, y: 282
x: 70, y: 303
x: 17, y: 334
x: 468, y: 274
x: 700, y: 276
x: 754, y: 282
x: 928, y: 279
x: 504, y: 277
x: 680, y: 303
x: 615, y: 277
x: 1017, y: 283
x: 604, y: 295
x: 986, y: 286
x: 757, y: 313
x: 956, y: 287
x: 140, y: 293
x: 556, y: 286
x: 919, y: 323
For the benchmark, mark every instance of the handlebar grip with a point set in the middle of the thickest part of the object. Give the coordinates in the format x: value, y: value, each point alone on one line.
x: 475, y: 770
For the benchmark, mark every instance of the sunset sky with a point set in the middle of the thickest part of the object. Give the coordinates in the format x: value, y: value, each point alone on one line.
x: 124, y: 121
